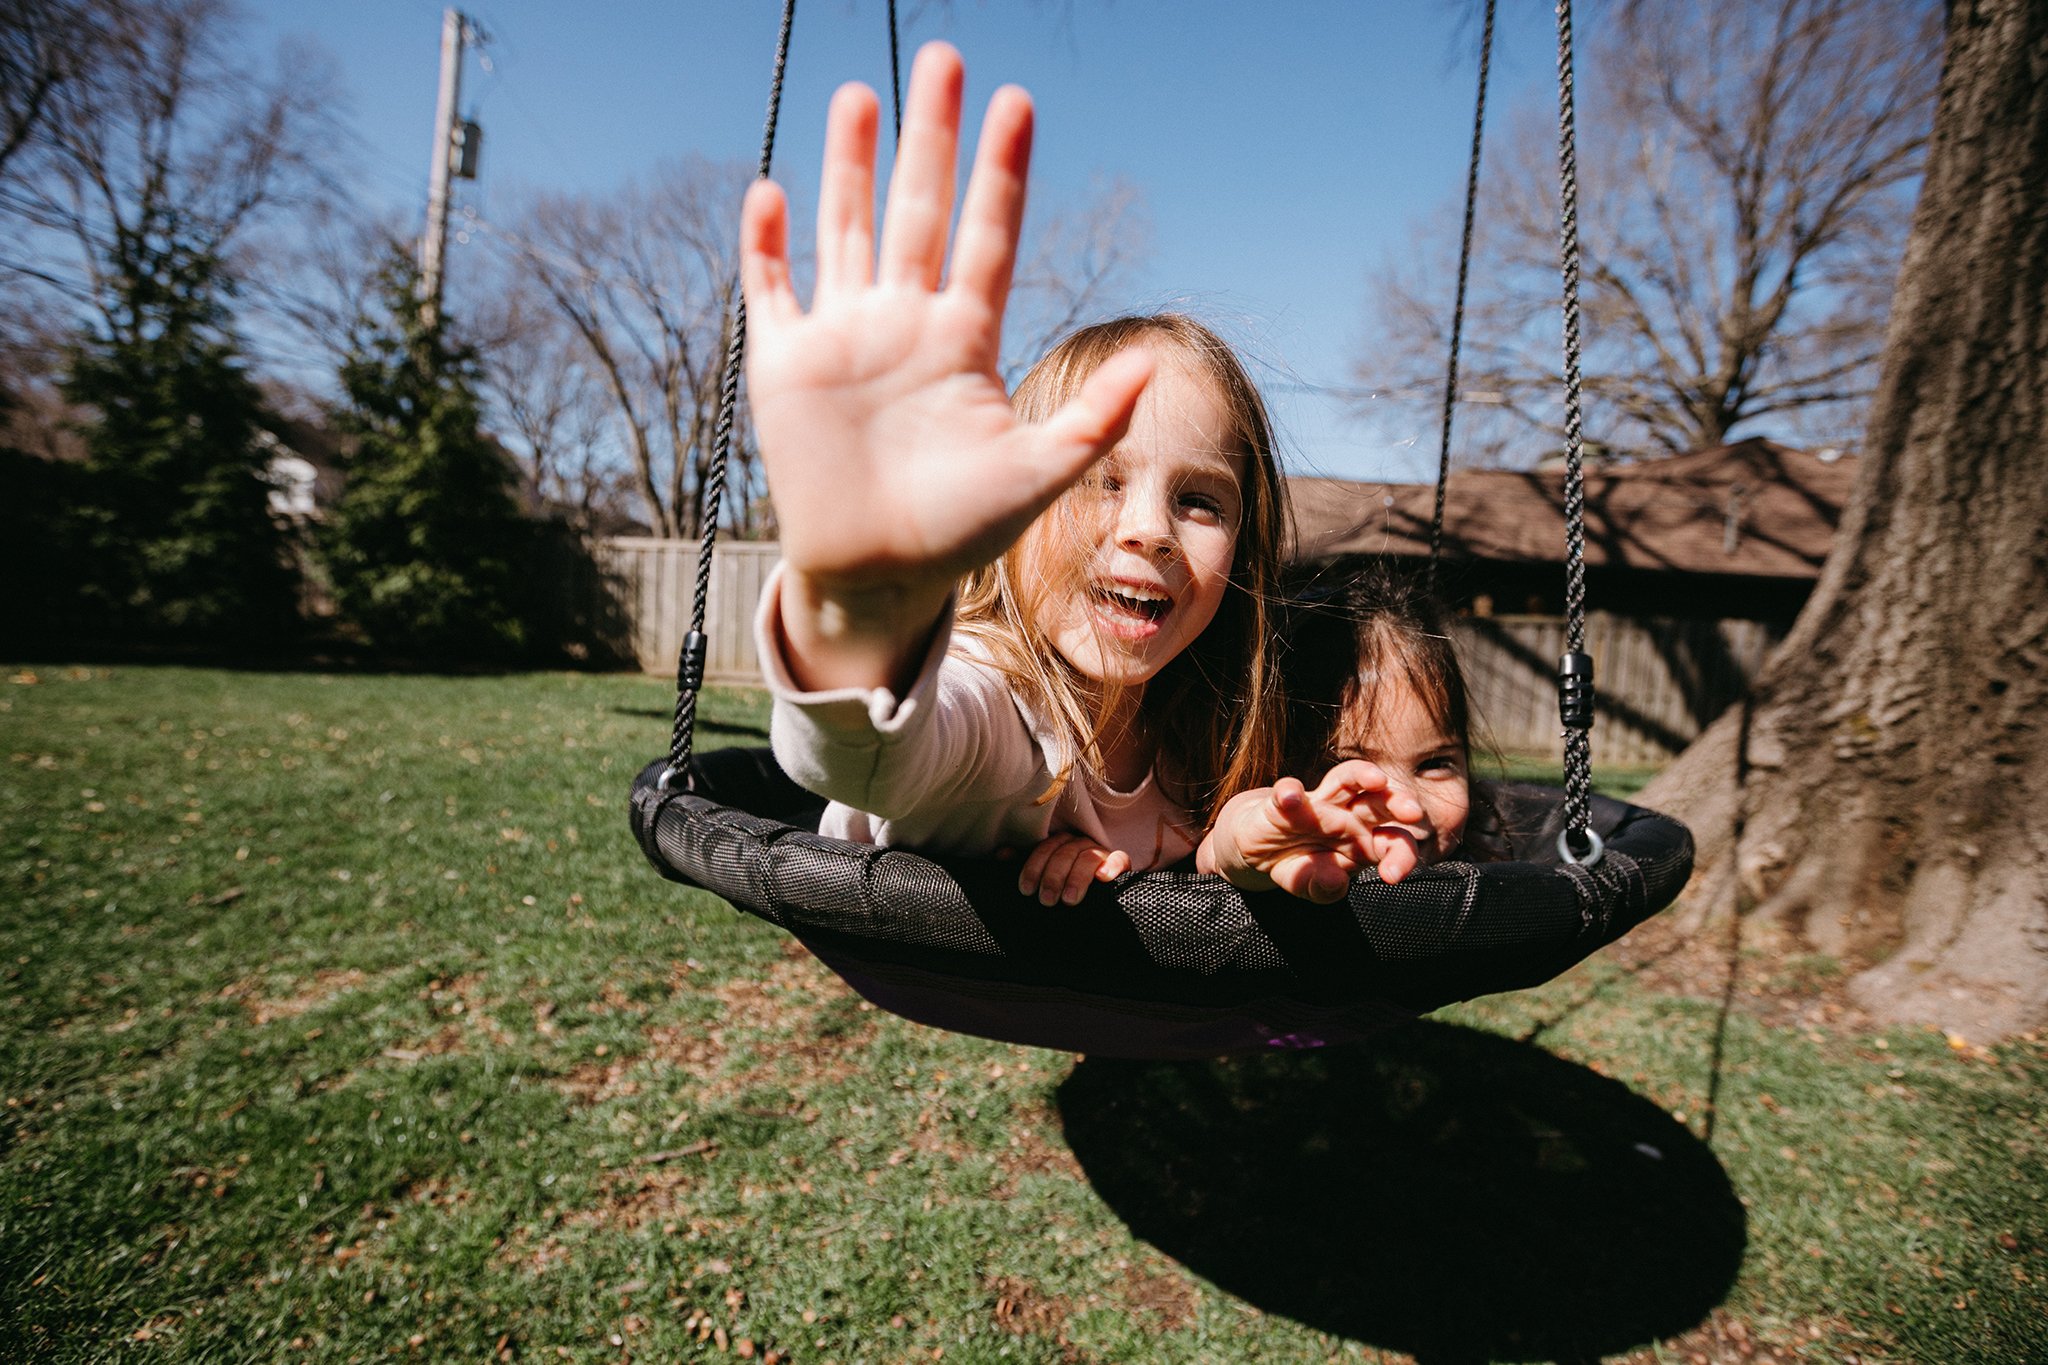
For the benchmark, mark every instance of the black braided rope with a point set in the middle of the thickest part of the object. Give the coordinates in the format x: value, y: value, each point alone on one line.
x: 1578, y: 760
x: 895, y: 72
x: 1443, y: 458
x: 711, y: 497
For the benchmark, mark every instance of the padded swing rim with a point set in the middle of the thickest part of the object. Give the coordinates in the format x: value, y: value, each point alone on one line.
x: 1169, y: 938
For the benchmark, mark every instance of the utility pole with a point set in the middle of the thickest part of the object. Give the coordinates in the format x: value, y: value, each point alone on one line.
x: 434, y: 245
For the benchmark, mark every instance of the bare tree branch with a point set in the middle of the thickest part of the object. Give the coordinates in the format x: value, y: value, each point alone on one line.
x: 643, y: 279
x: 156, y: 131
x: 45, y: 46
x: 1746, y: 174
x: 539, y: 382
x: 1081, y: 258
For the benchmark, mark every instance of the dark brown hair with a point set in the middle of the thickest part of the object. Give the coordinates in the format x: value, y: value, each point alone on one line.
x: 1347, y: 638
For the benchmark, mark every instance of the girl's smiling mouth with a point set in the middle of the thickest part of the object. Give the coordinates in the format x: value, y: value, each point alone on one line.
x: 1128, y: 610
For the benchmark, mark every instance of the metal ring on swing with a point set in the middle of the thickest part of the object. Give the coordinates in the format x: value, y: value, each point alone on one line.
x: 1592, y: 855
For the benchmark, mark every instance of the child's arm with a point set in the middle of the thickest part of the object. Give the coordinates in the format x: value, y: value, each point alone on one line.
x: 1310, y: 843
x: 892, y: 454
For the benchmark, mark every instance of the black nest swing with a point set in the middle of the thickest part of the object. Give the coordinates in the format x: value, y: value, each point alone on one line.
x: 1174, y: 964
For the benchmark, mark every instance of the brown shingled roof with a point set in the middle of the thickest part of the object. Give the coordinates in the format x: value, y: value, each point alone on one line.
x: 1753, y: 508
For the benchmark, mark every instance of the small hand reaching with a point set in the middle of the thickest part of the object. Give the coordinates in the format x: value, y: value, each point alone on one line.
x: 894, y: 459
x: 1063, y: 865
x: 1310, y: 843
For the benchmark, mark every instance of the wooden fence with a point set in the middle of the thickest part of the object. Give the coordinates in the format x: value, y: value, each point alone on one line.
x: 650, y: 583
x: 1660, y: 682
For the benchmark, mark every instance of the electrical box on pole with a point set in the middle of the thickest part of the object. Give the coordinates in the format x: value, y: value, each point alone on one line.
x: 469, y: 148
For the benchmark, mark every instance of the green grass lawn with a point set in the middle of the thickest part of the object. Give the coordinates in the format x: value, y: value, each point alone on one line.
x: 340, y: 1019
x: 1620, y: 783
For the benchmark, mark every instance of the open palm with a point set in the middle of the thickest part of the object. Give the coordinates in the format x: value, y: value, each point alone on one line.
x: 892, y: 453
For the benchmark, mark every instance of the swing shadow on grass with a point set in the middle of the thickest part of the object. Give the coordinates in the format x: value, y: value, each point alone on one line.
x: 1439, y: 1191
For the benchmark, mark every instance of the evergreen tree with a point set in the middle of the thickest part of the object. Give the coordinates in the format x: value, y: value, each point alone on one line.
x: 425, y: 544
x: 40, y: 563
x: 177, y: 537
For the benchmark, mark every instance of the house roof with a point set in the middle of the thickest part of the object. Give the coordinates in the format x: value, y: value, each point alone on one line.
x: 1754, y: 508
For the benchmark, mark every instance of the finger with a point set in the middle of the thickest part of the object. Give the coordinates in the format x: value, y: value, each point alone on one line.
x: 992, y: 215
x: 1397, y: 865
x: 1082, y: 874
x: 1293, y: 875
x: 764, y: 255
x: 1059, y: 450
x: 1398, y: 856
x: 921, y: 187
x: 1317, y: 817
x: 1388, y: 805
x: 1289, y: 806
x: 1332, y: 883
x: 1375, y: 809
x: 1033, y: 873
x: 1113, y: 866
x: 1059, y: 871
x: 1311, y: 877
x: 846, y: 192
x: 1351, y: 779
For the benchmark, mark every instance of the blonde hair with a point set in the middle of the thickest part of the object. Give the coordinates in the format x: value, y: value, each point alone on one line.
x: 1217, y: 711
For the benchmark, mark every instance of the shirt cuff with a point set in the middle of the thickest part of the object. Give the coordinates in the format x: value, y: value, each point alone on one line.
x: 838, y: 714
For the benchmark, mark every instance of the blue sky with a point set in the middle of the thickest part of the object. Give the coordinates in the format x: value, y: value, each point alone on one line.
x: 1283, y: 149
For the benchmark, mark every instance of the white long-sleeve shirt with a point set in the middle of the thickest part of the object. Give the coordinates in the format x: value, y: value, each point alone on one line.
x: 958, y: 764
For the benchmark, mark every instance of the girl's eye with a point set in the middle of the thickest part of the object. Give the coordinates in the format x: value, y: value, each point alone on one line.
x: 1442, y: 763
x: 1203, y: 503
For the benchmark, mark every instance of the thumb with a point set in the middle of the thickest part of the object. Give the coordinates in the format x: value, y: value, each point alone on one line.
x: 1063, y: 446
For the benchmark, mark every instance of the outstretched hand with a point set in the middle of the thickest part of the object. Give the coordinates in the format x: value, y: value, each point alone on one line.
x: 892, y: 453
x: 1310, y: 843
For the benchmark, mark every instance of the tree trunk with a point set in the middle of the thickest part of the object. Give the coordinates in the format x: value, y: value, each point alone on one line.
x: 1883, y: 797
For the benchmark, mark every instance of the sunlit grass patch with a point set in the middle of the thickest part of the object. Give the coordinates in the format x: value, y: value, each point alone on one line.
x: 341, y: 1011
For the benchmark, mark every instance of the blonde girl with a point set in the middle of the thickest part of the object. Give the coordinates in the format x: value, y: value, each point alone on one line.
x: 995, y: 623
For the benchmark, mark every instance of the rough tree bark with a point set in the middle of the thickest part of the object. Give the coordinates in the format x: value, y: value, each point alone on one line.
x: 1883, y: 798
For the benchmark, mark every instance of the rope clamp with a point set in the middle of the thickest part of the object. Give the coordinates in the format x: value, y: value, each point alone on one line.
x: 1575, y: 691
x: 690, y: 662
